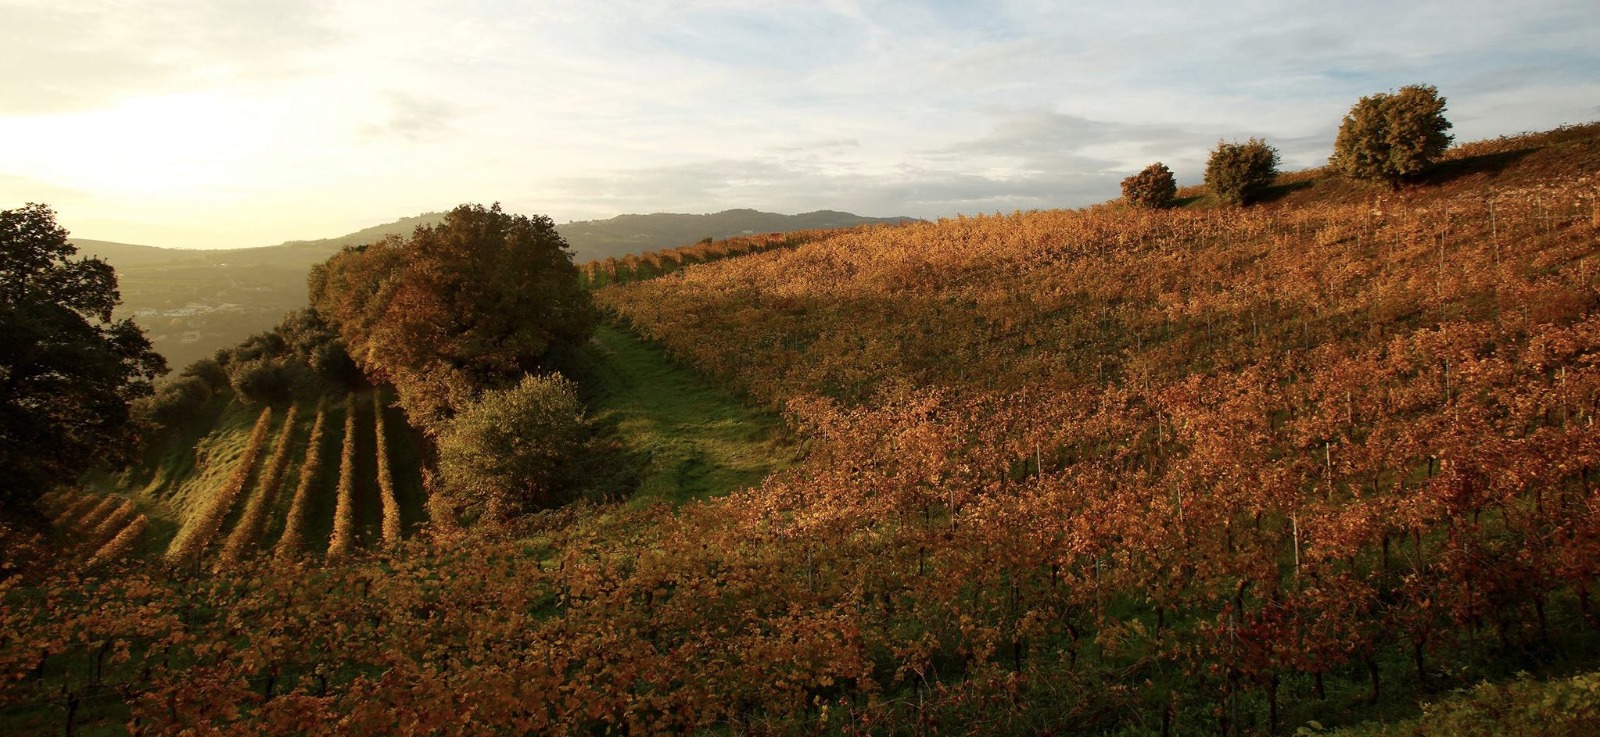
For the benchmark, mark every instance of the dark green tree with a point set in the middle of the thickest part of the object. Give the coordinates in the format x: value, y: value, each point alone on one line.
x: 1392, y: 136
x: 67, y: 370
x: 1153, y: 188
x: 1237, y: 172
x: 514, y: 450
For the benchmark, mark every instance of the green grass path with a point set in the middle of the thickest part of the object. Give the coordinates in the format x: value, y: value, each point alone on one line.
x: 689, y: 438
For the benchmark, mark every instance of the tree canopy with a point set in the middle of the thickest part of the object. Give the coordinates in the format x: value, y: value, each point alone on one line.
x: 1153, y: 188
x: 67, y: 370
x: 512, y: 450
x: 1391, y: 136
x: 471, y: 304
x: 1237, y: 172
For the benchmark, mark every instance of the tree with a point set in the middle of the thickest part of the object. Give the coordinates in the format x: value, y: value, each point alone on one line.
x: 1236, y: 172
x: 471, y: 304
x: 67, y: 370
x: 514, y: 450
x: 1153, y: 188
x: 1392, y: 136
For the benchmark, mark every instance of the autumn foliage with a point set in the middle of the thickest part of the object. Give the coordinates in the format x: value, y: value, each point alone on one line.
x: 244, y: 537
x: 344, y: 514
x: 390, y: 505
x: 1392, y: 136
x: 1237, y: 172
x: 1102, y: 471
x: 202, y: 528
x: 471, y: 304
x: 1152, y: 188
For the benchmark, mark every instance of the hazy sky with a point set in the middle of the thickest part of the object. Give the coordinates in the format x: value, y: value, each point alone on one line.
x: 244, y: 122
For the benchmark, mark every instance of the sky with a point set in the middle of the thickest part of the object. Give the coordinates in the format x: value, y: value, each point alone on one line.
x: 231, y: 123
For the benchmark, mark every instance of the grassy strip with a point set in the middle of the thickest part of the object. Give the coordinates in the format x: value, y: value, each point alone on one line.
x: 248, y: 529
x: 391, y: 507
x: 692, y: 440
x: 111, y: 524
x: 193, y: 539
x: 122, y: 544
x: 344, y: 517
x: 293, y: 538
x: 91, y: 520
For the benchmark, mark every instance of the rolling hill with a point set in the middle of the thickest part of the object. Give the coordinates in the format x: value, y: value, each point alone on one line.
x: 194, y: 302
x: 1207, y: 470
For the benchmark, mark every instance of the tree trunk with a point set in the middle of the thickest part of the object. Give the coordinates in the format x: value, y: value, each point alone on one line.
x: 1372, y: 672
x: 1417, y: 659
x: 1272, y: 705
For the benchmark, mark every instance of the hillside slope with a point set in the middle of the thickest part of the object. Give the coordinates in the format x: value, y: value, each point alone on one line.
x: 1206, y: 471
x: 195, y: 302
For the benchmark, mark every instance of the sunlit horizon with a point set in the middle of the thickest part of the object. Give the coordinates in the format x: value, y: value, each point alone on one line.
x: 201, y: 126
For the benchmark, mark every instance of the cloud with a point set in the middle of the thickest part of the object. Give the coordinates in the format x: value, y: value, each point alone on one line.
x: 790, y: 186
x: 82, y: 55
x: 333, y: 110
x: 16, y: 191
x: 414, y: 119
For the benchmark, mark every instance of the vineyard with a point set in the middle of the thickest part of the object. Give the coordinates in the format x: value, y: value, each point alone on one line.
x: 1106, y: 471
x: 651, y: 264
x: 265, y: 490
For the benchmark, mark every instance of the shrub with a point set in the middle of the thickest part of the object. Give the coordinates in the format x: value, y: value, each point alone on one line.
x: 175, y: 400
x: 1153, y: 188
x: 1392, y: 136
x: 260, y: 379
x: 479, y: 300
x: 209, y: 372
x: 1236, y: 172
x: 513, y: 450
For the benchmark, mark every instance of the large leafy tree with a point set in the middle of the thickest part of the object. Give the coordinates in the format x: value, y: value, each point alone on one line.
x: 469, y: 305
x: 67, y: 370
x: 1392, y: 136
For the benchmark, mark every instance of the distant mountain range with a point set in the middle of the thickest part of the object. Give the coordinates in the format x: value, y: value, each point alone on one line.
x: 193, y: 302
x: 625, y: 234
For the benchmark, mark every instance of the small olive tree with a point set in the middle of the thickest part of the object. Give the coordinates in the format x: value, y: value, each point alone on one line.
x: 1392, y: 136
x: 1237, y: 172
x: 514, y: 450
x: 1153, y: 188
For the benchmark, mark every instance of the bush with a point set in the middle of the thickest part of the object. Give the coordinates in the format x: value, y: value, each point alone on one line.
x: 302, y: 356
x: 1236, y: 172
x: 175, y: 400
x: 514, y: 450
x: 1392, y: 136
x: 261, y: 380
x: 209, y: 372
x: 1153, y: 188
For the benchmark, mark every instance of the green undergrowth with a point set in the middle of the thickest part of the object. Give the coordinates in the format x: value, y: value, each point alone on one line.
x: 1521, y: 707
x: 681, y: 437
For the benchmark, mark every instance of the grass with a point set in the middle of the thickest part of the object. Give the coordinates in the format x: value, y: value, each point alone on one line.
x: 686, y: 438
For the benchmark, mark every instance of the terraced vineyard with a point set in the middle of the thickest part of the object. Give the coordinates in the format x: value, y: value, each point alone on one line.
x: 101, y: 528
x: 275, y: 487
